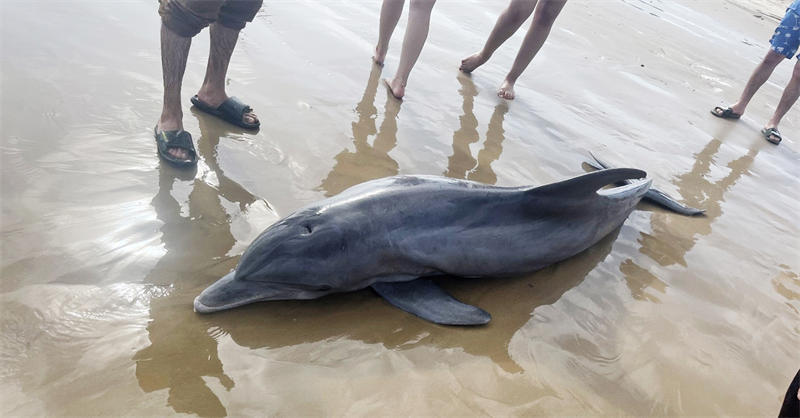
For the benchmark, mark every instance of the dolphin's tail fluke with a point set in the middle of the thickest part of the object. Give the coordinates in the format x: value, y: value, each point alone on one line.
x: 653, y: 195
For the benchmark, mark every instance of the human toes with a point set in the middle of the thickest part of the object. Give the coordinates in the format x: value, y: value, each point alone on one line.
x: 250, y: 118
x: 507, y: 94
x: 178, y: 153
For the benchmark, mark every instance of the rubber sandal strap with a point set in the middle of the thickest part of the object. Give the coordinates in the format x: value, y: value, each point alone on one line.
x: 235, y: 110
x: 231, y: 110
x: 772, y: 132
x: 725, y: 113
x: 175, y: 139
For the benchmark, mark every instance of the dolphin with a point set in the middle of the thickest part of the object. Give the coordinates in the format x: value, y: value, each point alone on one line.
x: 653, y: 195
x: 394, y: 234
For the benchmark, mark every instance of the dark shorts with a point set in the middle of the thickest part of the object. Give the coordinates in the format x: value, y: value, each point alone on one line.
x: 188, y: 17
x: 786, y: 38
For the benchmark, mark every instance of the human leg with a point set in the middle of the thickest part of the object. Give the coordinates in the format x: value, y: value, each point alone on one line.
x: 788, y: 98
x: 783, y: 44
x: 179, y: 23
x: 174, y: 53
x: 757, y: 79
x: 507, y: 23
x: 212, y: 92
x: 543, y: 18
x: 233, y: 16
x: 419, y: 18
x: 390, y: 15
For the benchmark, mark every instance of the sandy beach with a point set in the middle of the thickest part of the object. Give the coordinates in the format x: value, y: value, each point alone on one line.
x: 104, y: 247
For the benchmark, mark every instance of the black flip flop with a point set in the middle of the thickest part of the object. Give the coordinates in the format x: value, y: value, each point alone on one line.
x: 175, y: 139
x: 725, y: 113
x: 772, y: 132
x: 231, y: 111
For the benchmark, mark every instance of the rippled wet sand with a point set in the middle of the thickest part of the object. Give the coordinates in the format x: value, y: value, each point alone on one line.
x: 104, y: 248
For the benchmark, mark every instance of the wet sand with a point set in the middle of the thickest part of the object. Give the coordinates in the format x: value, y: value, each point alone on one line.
x: 104, y: 247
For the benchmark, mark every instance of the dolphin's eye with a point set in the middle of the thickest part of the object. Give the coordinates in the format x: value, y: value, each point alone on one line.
x: 308, y: 228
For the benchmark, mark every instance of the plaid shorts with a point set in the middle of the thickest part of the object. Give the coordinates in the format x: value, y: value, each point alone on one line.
x: 786, y: 38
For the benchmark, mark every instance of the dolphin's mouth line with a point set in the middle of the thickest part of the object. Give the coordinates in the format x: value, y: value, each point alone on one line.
x: 201, y: 307
x: 290, y: 285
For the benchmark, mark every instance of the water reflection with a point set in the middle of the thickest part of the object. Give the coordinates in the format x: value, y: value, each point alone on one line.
x: 667, y: 245
x: 368, y: 162
x: 363, y: 316
x: 461, y: 164
x: 196, y: 235
x: 787, y: 284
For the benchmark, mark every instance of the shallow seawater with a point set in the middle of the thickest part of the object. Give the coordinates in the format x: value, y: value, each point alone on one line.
x: 104, y: 248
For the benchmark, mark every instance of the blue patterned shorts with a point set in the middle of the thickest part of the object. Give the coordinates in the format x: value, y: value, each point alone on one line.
x: 787, y: 35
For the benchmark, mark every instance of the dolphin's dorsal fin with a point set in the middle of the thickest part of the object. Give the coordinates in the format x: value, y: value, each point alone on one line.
x: 423, y: 298
x: 588, y: 183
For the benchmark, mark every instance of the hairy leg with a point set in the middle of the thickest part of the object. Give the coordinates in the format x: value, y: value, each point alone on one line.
x: 757, y: 79
x: 174, y: 53
x: 390, y: 14
x: 212, y: 92
x: 546, y: 13
x: 419, y: 18
x: 507, y: 23
x: 788, y: 98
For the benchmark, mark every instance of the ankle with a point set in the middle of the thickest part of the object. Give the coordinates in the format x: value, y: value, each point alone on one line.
x: 211, y: 94
x: 170, y: 122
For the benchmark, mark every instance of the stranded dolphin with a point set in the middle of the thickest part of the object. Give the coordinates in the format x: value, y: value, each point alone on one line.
x: 393, y: 234
x: 653, y: 195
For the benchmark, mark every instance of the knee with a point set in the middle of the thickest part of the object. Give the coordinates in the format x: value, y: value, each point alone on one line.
x: 796, y: 71
x: 547, y: 12
x: 422, y: 5
x: 519, y: 10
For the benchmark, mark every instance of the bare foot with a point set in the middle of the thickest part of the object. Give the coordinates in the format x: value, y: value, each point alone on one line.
x: 215, y: 98
x: 506, y: 90
x: 379, y: 56
x: 470, y: 63
x: 396, y: 87
x: 172, y: 125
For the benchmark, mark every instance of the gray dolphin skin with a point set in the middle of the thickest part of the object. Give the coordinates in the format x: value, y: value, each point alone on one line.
x: 394, y: 234
x: 653, y: 195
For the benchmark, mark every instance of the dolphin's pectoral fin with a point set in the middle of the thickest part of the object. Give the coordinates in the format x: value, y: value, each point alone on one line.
x: 423, y: 298
x: 654, y: 195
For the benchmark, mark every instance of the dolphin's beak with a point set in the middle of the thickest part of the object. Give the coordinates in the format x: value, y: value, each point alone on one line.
x: 227, y: 293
